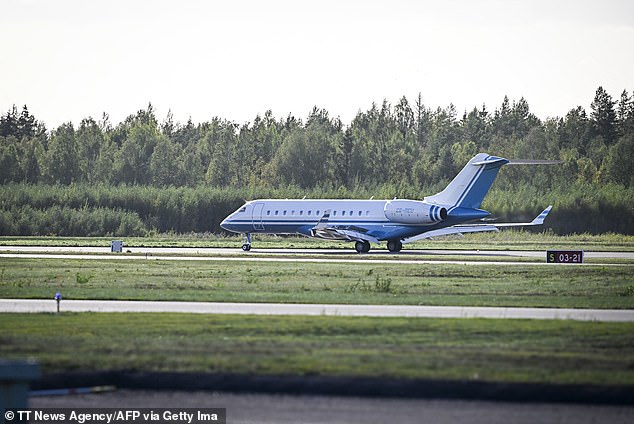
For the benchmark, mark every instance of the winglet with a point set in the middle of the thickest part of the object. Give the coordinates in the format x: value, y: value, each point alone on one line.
x: 323, y: 221
x: 539, y: 220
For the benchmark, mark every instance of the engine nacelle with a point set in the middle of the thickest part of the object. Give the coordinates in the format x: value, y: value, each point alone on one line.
x: 413, y: 212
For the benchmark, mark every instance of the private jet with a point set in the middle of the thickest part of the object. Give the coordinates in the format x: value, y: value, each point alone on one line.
x: 455, y: 210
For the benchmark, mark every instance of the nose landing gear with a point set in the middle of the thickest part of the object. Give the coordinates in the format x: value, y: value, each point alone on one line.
x: 246, y: 242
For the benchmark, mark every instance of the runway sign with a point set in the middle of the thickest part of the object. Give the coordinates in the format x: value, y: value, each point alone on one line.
x: 564, y: 256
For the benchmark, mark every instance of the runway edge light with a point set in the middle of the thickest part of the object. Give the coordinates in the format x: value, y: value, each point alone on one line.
x: 58, y: 299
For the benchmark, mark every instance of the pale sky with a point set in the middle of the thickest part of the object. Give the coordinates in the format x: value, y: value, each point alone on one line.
x: 70, y: 59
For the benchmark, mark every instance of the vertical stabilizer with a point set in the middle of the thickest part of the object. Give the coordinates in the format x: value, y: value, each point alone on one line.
x: 468, y: 188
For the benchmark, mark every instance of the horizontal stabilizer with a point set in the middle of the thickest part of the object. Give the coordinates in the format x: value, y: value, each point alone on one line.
x: 534, y: 162
x: 490, y: 161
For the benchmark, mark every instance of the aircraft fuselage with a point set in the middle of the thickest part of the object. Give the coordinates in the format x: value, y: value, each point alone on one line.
x: 378, y: 219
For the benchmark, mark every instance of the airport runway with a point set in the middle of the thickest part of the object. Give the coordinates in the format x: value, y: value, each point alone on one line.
x: 254, y: 258
x: 471, y: 257
x: 255, y: 252
x: 410, y: 311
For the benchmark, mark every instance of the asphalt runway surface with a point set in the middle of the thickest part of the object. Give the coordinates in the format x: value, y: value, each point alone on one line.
x: 411, y: 311
x: 298, y: 255
x: 287, y: 409
x: 214, y: 251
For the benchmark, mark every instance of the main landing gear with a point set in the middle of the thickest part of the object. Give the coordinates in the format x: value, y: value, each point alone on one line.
x: 246, y: 242
x: 394, y: 246
x: 362, y: 246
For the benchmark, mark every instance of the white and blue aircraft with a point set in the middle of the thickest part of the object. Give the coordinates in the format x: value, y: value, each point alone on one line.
x: 452, y: 211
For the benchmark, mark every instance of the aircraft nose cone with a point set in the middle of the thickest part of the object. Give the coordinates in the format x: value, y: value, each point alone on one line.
x: 229, y: 225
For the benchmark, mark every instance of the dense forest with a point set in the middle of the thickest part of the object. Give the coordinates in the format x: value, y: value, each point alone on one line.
x: 144, y: 175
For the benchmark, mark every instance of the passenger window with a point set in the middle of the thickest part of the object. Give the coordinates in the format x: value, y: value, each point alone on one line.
x: 334, y: 213
x: 284, y: 213
x: 343, y: 213
x: 301, y: 212
x: 317, y: 212
x: 359, y: 213
x: 351, y: 213
x: 277, y: 212
x: 309, y: 213
x: 292, y: 212
x: 268, y: 212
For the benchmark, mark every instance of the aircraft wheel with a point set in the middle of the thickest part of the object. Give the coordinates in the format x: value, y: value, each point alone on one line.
x: 362, y: 246
x: 246, y: 247
x: 394, y: 246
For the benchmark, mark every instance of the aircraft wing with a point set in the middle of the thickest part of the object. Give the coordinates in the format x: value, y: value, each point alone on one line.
x: 358, y: 236
x: 539, y: 220
x: 340, y: 232
x: 474, y: 228
x: 456, y: 229
x: 343, y: 233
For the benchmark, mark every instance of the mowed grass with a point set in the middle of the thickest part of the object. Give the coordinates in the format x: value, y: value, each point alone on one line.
x: 332, y: 283
x: 455, y: 349
x: 476, y: 349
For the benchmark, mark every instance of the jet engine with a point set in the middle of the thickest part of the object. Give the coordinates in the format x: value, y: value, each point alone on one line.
x: 413, y: 212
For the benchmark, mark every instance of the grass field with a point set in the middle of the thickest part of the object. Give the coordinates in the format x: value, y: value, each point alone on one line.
x: 464, y: 349
x: 306, y: 282
x: 474, y: 349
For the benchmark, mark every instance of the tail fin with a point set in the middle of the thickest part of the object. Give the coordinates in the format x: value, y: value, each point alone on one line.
x: 468, y: 188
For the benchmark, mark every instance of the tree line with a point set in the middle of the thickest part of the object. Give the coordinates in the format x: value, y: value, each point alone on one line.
x: 389, y: 150
x: 107, y: 210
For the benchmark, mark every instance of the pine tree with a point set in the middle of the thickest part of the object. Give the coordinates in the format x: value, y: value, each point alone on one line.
x: 604, y: 116
x: 625, y: 114
x: 27, y: 124
x: 9, y: 123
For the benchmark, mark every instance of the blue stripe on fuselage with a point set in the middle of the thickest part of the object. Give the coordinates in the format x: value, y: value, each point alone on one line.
x: 382, y: 230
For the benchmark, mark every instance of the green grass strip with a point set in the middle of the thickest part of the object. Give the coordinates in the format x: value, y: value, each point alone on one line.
x: 455, y: 349
x: 610, y: 287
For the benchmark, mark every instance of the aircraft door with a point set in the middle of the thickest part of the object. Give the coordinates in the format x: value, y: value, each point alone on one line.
x: 256, y: 218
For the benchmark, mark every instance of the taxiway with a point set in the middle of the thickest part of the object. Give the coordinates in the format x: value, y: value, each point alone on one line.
x: 410, y: 311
